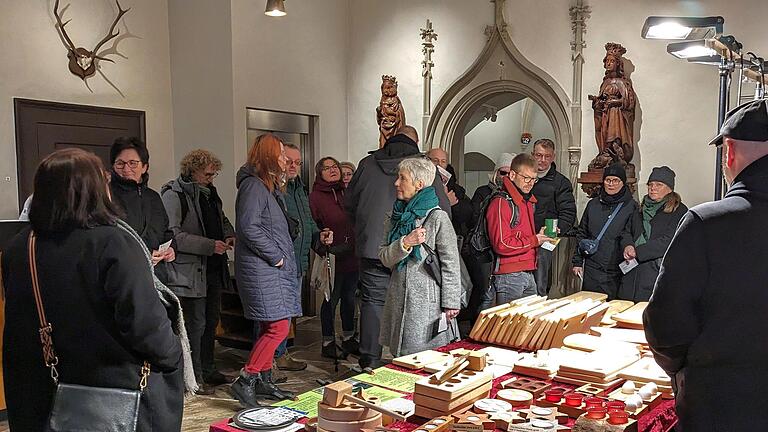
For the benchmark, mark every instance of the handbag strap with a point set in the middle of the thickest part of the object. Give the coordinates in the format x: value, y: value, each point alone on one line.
x: 423, y: 222
x: 46, y: 329
x: 608, y: 222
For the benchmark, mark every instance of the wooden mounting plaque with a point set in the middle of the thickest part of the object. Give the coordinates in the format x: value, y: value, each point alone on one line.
x: 419, y: 360
x: 589, y: 343
x: 453, y: 388
x: 438, y: 424
x: 351, y: 426
x: 425, y: 412
x: 451, y: 405
x: 599, y: 364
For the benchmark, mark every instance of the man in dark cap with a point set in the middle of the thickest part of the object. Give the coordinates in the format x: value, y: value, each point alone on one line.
x: 706, y: 319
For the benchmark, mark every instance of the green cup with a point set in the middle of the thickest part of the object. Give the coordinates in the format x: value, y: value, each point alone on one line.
x: 550, y: 228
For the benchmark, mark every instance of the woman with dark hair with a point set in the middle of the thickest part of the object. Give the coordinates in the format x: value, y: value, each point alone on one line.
x: 327, y: 205
x: 143, y: 209
x: 265, y: 265
x: 604, y: 226
x: 98, y: 294
x: 651, y: 229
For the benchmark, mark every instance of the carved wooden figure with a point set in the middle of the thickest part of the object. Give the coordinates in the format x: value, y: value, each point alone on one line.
x: 390, y: 114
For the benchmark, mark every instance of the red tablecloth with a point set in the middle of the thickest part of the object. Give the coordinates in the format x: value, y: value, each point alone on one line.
x: 660, y: 419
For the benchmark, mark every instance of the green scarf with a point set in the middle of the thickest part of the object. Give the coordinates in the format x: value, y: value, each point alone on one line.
x: 205, y: 190
x: 404, y: 215
x: 649, y: 210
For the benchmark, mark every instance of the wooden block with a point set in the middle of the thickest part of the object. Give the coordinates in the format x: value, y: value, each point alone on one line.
x: 544, y: 413
x: 590, y: 390
x: 501, y: 356
x: 589, y: 378
x: 624, y: 335
x: 631, y: 318
x: 333, y: 394
x: 348, y: 411
x: 649, y: 403
x: 471, y: 418
x: 538, y: 426
x: 419, y: 360
x: 425, y: 412
x: 594, y: 316
x: 535, y: 387
x: 614, y: 307
x: 351, y: 426
x: 439, y: 424
x: 517, y: 398
x: 504, y: 419
x: 477, y: 361
x: 586, y: 295
x: 646, y: 370
x: 460, y: 384
x: 589, y: 343
x: 578, y: 382
x: 459, y: 364
x: 449, y: 406
x: 599, y: 364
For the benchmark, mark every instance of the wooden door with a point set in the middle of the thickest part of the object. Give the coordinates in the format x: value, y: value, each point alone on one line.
x: 43, y: 127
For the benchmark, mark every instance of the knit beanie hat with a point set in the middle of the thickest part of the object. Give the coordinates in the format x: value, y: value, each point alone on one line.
x: 504, y: 161
x: 663, y: 174
x: 615, y: 170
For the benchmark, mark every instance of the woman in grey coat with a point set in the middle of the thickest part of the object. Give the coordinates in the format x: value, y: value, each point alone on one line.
x: 415, y: 302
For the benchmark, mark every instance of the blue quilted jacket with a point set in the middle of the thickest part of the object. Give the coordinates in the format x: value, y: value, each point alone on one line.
x: 268, y: 293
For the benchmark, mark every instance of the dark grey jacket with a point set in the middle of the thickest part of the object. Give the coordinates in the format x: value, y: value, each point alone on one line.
x: 706, y: 322
x: 268, y: 292
x: 186, y: 275
x: 371, y: 194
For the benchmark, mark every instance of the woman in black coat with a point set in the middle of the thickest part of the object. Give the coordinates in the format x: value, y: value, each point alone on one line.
x: 98, y: 294
x: 652, y: 229
x: 600, y: 270
x: 142, y: 207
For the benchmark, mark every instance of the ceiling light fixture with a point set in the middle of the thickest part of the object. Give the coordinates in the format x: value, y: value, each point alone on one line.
x: 275, y: 8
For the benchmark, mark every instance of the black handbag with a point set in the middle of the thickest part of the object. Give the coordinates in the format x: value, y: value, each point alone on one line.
x: 590, y: 246
x: 79, y: 408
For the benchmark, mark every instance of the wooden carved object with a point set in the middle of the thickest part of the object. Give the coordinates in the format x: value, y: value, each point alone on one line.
x: 82, y: 62
x: 390, y: 115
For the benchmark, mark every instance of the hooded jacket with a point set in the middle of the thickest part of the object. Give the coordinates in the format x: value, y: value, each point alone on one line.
x: 705, y: 322
x: 327, y: 204
x: 371, y: 192
x: 297, y: 204
x: 267, y: 292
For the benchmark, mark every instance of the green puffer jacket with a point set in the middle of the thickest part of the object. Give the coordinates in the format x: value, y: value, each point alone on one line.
x: 298, y: 208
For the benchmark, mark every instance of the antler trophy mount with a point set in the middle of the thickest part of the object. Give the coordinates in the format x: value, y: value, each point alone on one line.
x: 82, y: 62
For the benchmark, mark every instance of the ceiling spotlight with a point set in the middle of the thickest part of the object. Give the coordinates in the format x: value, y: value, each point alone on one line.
x: 275, y: 8
x: 682, y: 28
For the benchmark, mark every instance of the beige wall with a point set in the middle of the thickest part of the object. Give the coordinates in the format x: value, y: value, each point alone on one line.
x: 36, y: 68
x: 295, y: 63
x: 677, y: 101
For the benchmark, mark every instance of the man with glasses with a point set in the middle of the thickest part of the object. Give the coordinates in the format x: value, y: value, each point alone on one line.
x: 510, y: 222
x: 554, y: 200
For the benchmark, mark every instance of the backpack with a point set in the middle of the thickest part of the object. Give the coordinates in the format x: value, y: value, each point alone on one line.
x: 479, y: 242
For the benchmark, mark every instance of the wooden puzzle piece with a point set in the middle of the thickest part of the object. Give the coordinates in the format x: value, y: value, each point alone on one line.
x: 438, y: 424
x: 471, y: 418
x: 455, y: 404
x: 631, y: 318
x: 420, y: 360
x: 454, y: 387
x: 535, y: 387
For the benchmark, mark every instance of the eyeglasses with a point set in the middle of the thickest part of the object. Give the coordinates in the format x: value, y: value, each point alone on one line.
x: 612, y: 181
x: 120, y: 164
x: 544, y: 156
x: 526, y: 179
x: 293, y: 162
x: 211, y: 175
x: 330, y: 167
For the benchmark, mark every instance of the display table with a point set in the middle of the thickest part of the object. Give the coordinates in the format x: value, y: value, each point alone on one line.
x: 661, y: 419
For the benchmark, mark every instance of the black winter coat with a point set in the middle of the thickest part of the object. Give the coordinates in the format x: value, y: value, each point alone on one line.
x: 601, y: 270
x: 144, y: 210
x: 706, y: 321
x: 554, y: 200
x: 107, y: 319
x: 637, y: 285
x: 461, y: 212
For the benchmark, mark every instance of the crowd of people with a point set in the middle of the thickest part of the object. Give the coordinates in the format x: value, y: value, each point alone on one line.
x: 399, y: 226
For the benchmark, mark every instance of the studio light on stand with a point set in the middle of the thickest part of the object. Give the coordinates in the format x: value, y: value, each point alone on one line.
x: 704, y: 44
x: 275, y: 8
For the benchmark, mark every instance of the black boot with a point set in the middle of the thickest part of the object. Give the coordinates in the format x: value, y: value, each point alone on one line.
x: 271, y: 389
x: 244, y: 389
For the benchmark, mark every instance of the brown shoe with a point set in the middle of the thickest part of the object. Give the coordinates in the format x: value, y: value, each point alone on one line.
x: 277, y: 376
x: 288, y: 363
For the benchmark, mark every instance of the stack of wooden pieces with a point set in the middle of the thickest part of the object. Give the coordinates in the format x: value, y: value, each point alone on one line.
x: 533, y: 322
x: 544, y: 364
x: 422, y: 360
x: 340, y: 411
x: 589, y: 343
x: 634, y: 336
x: 648, y: 371
x: 598, y: 368
x: 631, y: 318
x: 614, y: 307
x: 455, y: 395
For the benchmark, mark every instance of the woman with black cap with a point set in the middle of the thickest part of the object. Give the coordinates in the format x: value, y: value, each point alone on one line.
x: 652, y: 229
x: 603, y: 234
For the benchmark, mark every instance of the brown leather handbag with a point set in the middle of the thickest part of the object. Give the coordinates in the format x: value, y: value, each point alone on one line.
x: 77, y: 407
